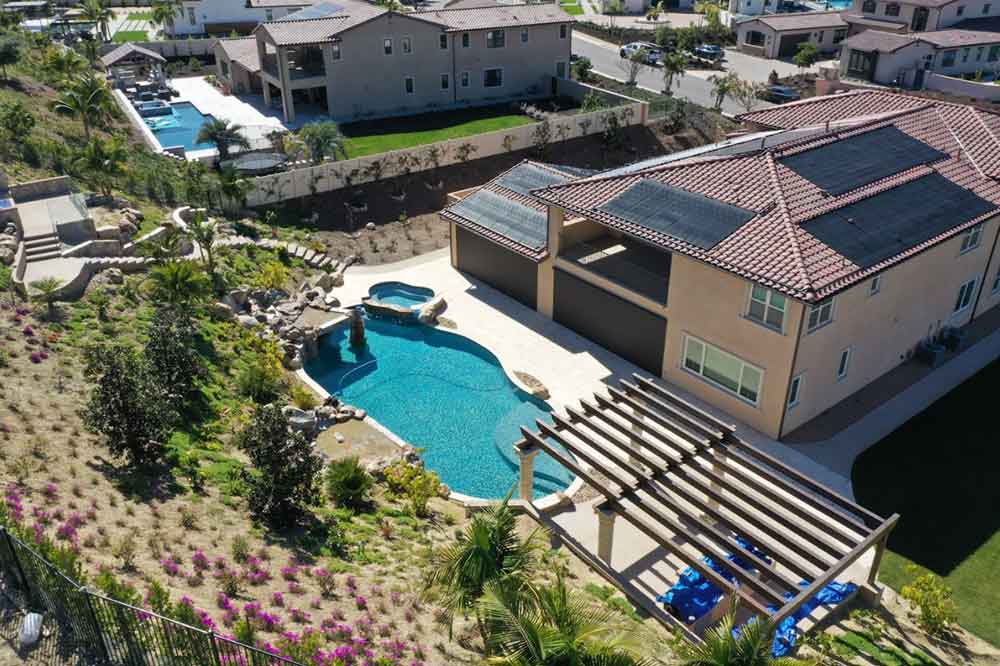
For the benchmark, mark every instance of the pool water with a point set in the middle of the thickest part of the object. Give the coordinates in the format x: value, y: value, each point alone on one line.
x: 180, y: 128
x: 839, y: 4
x: 443, y: 393
x: 400, y: 293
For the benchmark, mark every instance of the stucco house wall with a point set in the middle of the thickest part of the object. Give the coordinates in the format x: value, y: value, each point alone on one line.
x: 824, y: 39
x: 224, y: 11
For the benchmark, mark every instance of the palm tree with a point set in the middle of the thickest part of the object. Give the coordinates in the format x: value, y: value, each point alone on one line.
x: 548, y: 626
x: 88, y: 99
x: 323, y: 140
x: 101, y: 15
x: 223, y: 134
x: 234, y: 189
x: 181, y: 284
x: 203, y: 232
x: 102, y: 161
x: 91, y: 49
x: 723, y: 87
x: 488, y: 551
x: 165, y: 12
x: 64, y: 64
x: 751, y: 646
x: 674, y: 65
x: 47, y: 290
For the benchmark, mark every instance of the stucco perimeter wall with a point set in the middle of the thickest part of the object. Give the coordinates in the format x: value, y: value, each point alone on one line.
x: 957, y: 86
x: 329, y: 176
x: 711, y: 305
x: 915, y: 300
x: 175, y: 48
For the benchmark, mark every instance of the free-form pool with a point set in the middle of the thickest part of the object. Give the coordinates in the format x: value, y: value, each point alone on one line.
x: 400, y: 293
x: 441, y: 392
x: 180, y: 128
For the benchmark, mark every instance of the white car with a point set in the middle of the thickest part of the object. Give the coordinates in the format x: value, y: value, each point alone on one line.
x: 653, y: 53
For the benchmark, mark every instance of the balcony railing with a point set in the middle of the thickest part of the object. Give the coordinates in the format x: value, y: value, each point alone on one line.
x: 306, y: 70
x: 629, y: 264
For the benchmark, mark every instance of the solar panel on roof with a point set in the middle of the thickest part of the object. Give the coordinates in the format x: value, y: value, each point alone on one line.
x: 886, y: 224
x: 848, y: 164
x: 576, y: 172
x: 526, y: 177
x: 511, y: 219
x: 684, y: 215
x: 321, y: 10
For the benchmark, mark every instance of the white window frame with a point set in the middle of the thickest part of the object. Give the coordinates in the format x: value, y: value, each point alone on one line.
x: 336, y: 53
x: 502, y: 31
x: 965, y: 293
x: 192, y: 16
x: 844, y: 363
x: 413, y: 85
x: 768, y: 305
x: 387, y: 42
x: 406, y: 45
x: 465, y: 79
x: 490, y: 69
x: 795, y: 390
x: 443, y: 42
x: 444, y: 81
x: 971, y: 238
x: 524, y: 36
x: 700, y: 373
x: 875, y: 286
x: 816, y: 307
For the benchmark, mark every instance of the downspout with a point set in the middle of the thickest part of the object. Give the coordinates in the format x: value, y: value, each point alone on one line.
x: 982, y: 283
x: 791, y: 370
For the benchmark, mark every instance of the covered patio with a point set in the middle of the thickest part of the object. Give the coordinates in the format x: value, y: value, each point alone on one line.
x: 133, y: 67
x: 690, y: 518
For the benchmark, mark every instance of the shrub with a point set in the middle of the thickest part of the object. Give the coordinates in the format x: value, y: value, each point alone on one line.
x: 936, y: 610
x: 125, y: 550
x: 302, y: 397
x: 347, y: 483
x: 240, y: 548
x: 260, y: 379
x: 415, y: 483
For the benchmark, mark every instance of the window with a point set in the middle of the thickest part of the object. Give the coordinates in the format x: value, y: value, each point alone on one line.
x: 986, y: 8
x: 965, y: 55
x: 408, y: 85
x: 868, y: 7
x: 524, y: 35
x: 493, y: 78
x: 819, y: 36
x: 875, y: 285
x: 820, y: 314
x: 387, y: 46
x: 979, y: 53
x: 994, y: 54
x: 964, y: 296
x: 443, y: 42
x: 959, y: 10
x: 225, y: 68
x: 948, y: 58
x: 445, y: 82
x: 561, y: 70
x: 465, y: 79
x: 767, y: 307
x: 722, y: 369
x: 971, y: 238
x: 191, y: 17
x: 839, y: 35
x: 563, y: 31
x: 996, y: 282
x: 406, y: 45
x: 892, y: 9
x: 465, y: 40
x: 496, y: 39
x: 794, y: 389
x: 753, y: 38
x: 268, y: 14
x: 335, y: 51
x: 844, y: 363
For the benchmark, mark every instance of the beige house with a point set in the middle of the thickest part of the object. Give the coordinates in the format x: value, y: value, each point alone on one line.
x: 773, y: 276
x: 359, y: 60
x: 779, y: 35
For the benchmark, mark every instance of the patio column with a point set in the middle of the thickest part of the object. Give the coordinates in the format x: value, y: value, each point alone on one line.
x: 526, y: 458
x: 266, y: 86
x: 287, y: 103
x: 605, y: 532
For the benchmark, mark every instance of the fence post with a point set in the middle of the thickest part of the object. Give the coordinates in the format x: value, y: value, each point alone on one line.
x: 98, y: 634
x: 17, y: 563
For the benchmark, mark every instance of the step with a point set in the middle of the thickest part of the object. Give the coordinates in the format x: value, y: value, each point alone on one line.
x: 41, y: 249
x: 44, y: 256
x: 43, y: 239
x: 325, y: 261
x: 308, y: 256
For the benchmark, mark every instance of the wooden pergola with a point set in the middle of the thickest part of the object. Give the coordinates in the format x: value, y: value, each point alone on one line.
x: 683, y: 478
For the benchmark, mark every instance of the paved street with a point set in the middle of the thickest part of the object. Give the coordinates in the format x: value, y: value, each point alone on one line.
x: 694, y: 85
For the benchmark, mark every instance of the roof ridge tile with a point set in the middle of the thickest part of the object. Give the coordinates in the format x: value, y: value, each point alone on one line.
x: 787, y: 223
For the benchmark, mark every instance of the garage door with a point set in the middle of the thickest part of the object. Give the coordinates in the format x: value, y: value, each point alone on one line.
x: 626, y: 329
x: 511, y: 273
x: 790, y: 44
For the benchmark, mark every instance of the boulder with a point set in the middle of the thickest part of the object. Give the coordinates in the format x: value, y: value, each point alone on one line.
x: 339, y: 437
x: 6, y: 256
x: 331, y: 301
x: 221, y: 311
x: 292, y: 362
x: 127, y: 229
x: 326, y: 412
x: 246, y: 321
x: 294, y: 333
x: 360, y: 414
x: 430, y: 310
x: 8, y: 240
x: 114, y: 276
x: 136, y: 213
x: 240, y: 296
x: 300, y: 420
x: 324, y: 281
x: 370, y: 226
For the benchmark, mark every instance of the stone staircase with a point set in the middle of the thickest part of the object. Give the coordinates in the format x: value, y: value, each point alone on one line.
x: 41, y: 248
x: 310, y: 257
x: 127, y: 264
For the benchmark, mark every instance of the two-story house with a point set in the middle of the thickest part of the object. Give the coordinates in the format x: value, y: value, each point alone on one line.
x: 359, y: 60
x: 773, y: 276
x: 224, y: 17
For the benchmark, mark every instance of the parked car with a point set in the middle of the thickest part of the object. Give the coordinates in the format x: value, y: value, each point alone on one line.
x: 779, y: 94
x: 653, y: 53
x: 709, y: 52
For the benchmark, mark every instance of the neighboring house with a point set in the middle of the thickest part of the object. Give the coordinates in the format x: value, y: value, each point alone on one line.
x: 361, y: 61
x: 779, y: 35
x: 916, y: 15
x: 773, y: 276
x: 223, y: 17
x: 238, y: 65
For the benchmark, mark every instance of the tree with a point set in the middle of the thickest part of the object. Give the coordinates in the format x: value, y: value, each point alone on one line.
x: 549, y: 626
x: 222, y: 134
x: 164, y: 13
x: 347, y: 483
x: 806, y: 56
x: 63, y: 64
x: 687, y: 38
x: 46, y: 290
x: 103, y: 161
x: 723, y: 86
x: 488, y: 551
x: 751, y: 646
x: 324, y: 140
x: 632, y: 65
x: 16, y: 123
x: 7, y: 282
x: 284, y: 479
x: 126, y: 405
x: 87, y: 99
x: 10, y: 52
x: 665, y: 35
x: 180, y: 284
x: 747, y: 93
x: 91, y: 49
x: 170, y: 352
x: 234, y: 190
x: 674, y: 65
x: 101, y: 15
x: 204, y: 232
x: 583, y: 69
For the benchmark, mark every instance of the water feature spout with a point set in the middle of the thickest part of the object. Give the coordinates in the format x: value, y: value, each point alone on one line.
x: 357, y: 328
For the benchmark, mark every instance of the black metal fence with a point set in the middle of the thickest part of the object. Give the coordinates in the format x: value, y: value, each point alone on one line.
x: 111, y: 632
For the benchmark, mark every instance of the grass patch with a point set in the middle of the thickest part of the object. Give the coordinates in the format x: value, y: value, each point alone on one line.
x: 851, y: 645
x: 938, y: 472
x: 573, y: 9
x: 379, y: 136
x: 141, y: 16
x: 125, y: 36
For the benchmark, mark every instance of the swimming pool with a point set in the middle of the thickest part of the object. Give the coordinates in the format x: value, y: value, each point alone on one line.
x: 180, y: 128
x: 400, y: 293
x: 839, y: 4
x: 444, y: 393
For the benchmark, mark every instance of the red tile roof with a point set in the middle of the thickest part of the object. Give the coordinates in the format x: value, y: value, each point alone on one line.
x: 831, y: 108
x: 775, y: 248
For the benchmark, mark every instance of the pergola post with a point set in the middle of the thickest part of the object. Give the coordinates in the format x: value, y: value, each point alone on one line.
x: 605, y: 532
x: 526, y: 457
x: 877, y: 560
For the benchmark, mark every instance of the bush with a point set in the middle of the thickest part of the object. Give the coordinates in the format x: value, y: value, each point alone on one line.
x: 261, y: 378
x: 932, y: 599
x: 347, y: 483
x: 415, y: 483
x: 303, y: 397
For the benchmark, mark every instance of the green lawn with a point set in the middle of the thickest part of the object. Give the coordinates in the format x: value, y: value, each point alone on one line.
x: 123, y: 36
x: 573, y: 9
x: 379, y: 136
x: 939, y: 472
x: 141, y: 16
